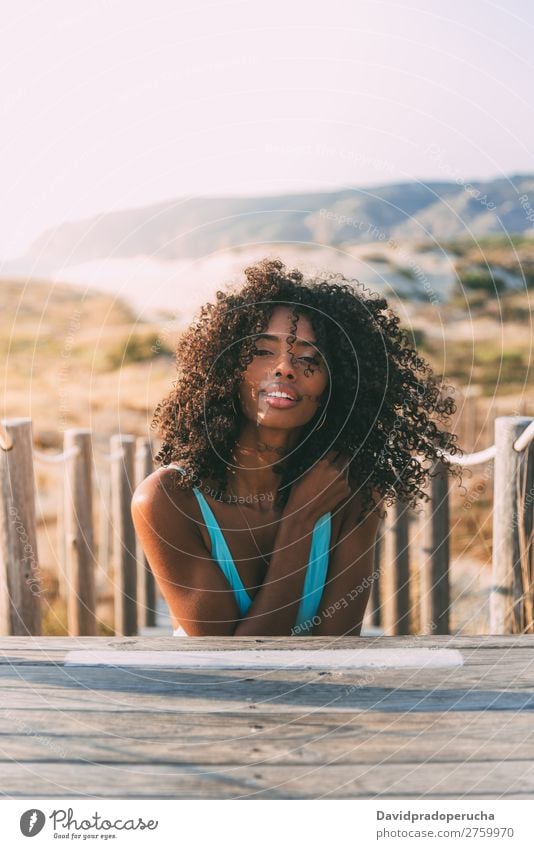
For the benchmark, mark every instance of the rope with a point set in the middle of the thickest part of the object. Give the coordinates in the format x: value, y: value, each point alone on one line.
x: 526, y: 438
x: 6, y: 442
x: 56, y: 458
x: 488, y: 453
x: 472, y: 459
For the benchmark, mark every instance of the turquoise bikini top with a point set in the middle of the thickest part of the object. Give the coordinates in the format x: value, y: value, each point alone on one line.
x: 316, y: 569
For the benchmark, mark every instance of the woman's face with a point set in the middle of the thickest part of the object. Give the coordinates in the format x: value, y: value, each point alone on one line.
x: 298, y: 370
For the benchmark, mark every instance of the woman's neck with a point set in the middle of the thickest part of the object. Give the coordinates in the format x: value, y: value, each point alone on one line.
x: 256, y: 450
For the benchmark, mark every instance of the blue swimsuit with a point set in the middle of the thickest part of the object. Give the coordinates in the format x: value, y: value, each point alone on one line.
x: 316, y: 570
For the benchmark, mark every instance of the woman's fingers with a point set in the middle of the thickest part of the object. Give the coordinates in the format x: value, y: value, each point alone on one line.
x: 340, y: 461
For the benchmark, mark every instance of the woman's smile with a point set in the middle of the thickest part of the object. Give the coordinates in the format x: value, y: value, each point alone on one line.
x: 280, y: 401
x: 281, y: 395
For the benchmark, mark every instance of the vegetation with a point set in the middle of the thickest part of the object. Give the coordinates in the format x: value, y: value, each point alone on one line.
x: 482, y: 280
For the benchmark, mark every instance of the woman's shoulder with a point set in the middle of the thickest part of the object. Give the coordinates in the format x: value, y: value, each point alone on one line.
x: 351, y: 507
x: 157, y: 497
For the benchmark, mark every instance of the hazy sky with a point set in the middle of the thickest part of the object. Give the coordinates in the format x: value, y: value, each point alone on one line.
x: 115, y: 103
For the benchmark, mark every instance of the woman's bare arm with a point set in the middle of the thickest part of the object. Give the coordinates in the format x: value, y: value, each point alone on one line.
x: 191, y: 582
x: 319, y: 491
x: 350, y: 573
x: 274, y: 609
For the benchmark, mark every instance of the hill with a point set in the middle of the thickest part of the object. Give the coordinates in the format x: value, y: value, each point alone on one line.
x: 194, y: 227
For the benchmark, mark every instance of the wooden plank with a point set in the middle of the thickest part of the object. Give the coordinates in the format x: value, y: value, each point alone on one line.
x: 209, y: 692
x: 137, y: 724
x: 55, y: 648
x: 507, y: 779
x: 289, y: 659
x: 285, y: 732
x: 274, y: 741
x: 496, y: 671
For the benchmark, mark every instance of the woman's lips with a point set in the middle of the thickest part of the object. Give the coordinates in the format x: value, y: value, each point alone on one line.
x: 280, y: 403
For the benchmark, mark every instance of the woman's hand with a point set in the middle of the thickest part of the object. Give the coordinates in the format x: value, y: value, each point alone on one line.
x: 320, y: 489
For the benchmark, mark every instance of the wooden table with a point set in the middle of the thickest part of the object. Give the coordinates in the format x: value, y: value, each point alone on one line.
x: 145, y: 730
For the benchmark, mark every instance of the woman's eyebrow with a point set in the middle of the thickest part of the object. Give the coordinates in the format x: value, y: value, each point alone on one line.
x: 271, y: 337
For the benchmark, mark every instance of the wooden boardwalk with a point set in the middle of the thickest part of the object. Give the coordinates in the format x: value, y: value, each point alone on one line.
x: 458, y: 724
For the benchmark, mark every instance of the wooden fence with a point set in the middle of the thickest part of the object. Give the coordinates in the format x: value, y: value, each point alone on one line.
x: 393, y: 594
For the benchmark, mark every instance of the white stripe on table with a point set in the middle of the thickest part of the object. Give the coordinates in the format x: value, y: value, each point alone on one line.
x: 271, y: 659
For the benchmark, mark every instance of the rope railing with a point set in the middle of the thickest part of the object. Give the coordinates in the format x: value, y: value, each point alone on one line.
x: 525, y: 439
x: 6, y: 440
x: 472, y: 459
x: 130, y: 582
x: 83, y: 576
x: 55, y: 458
x: 71, y: 452
x: 478, y: 457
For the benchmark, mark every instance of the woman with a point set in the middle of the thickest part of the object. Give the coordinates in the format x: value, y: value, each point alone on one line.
x: 299, y: 409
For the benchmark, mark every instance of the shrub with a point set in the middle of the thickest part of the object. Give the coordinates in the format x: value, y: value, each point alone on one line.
x: 135, y: 348
x: 481, y: 280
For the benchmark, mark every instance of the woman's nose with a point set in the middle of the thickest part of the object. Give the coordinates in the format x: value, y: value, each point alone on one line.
x: 285, y: 368
x: 285, y: 365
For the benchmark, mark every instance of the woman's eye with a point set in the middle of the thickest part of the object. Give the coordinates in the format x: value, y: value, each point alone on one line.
x: 260, y: 352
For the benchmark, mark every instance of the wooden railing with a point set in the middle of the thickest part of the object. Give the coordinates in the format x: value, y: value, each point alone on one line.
x: 130, y: 460
x: 427, y: 535
x: 132, y: 582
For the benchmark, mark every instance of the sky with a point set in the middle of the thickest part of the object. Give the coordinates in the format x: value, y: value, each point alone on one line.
x: 112, y: 104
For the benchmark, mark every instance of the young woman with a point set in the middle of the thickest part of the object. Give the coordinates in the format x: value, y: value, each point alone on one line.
x: 299, y: 410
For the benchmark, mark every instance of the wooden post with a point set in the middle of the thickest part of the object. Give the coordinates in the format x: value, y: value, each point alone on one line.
x: 396, y: 575
x: 124, y: 544
x: 146, y: 586
x: 20, y: 574
x: 104, y: 586
x: 79, y: 534
x: 470, y: 417
x: 104, y: 525
x: 375, y: 613
x: 506, y: 608
x: 434, y: 554
x: 61, y: 548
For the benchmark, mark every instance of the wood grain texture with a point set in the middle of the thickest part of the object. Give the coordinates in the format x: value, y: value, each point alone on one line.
x: 146, y: 732
x: 80, y: 551
x: 507, y: 779
x: 434, y: 531
x: 20, y: 572
x: 506, y: 604
x: 124, y: 540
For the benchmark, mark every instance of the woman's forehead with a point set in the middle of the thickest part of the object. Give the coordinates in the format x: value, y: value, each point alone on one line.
x: 283, y: 321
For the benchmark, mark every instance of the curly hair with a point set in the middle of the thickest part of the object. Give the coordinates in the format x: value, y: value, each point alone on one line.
x: 382, y: 394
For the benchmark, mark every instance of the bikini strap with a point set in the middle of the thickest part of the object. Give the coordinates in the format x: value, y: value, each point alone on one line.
x: 315, y: 574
